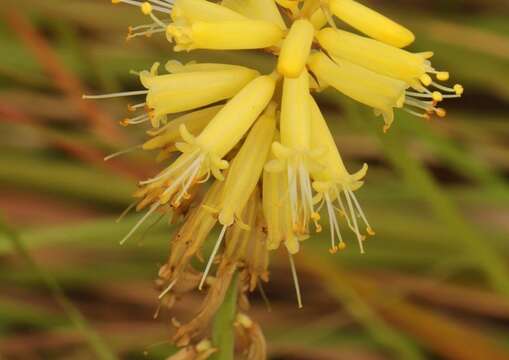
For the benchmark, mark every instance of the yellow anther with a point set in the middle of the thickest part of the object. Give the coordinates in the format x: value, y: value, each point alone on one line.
x: 458, y: 89
x: 443, y: 76
x: 370, y: 231
x: 426, y: 79
x: 146, y: 8
x: 342, y: 246
x: 441, y: 112
x: 124, y: 122
x: 115, y: 1
x: 333, y: 250
x: 437, y: 96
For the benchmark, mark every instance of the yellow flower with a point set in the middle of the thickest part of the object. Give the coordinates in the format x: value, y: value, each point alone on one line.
x: 334, y: 181
x: 189, y: 89
x: 295, y: 49
x: 265, y: 10
x: 243, y: 176
x: 262, y: 139
x: 371, y: 23
x: 198, y: 24
x: 294, y: 154
x: 276, y: 209
x: 380, y: 92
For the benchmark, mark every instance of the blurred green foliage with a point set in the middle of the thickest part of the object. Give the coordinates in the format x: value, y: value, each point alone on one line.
x: 433, y: 284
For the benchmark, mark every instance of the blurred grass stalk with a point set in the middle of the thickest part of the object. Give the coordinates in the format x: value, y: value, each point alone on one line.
x: 74, y: 315
x: 415, y: 175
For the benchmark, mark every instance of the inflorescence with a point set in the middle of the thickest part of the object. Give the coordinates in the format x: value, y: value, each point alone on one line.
x: 251, y: 153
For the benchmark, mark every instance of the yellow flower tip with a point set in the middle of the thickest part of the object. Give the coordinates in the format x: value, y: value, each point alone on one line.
x: 458, y: 89
x: 114, y: 2
x: 370, y: 231
x: 146, y: 8
x: 295, y: 49
x: 333, y: 250
x: 342, y: 246
x: 291, y: 5
x: 426, y: 54
x: 319, y: 19
x: 371, y: 23
x: 225, y: 35
x: 443, y: 75
x: 124, y: 122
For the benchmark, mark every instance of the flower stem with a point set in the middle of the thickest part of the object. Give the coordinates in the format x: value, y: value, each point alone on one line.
x: 223, y: 334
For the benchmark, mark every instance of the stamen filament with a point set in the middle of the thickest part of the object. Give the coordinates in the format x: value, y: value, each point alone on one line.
x: 122, y: 152
x: 141, y: 221
x: 295, y: 281
x: 114, y: 95
x: 167, y: 290
x: 212, y: 256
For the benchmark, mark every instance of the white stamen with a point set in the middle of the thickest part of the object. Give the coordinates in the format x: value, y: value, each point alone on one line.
x: 333, y: 223
x: 295, y: 280
x: 167, y: 290
x: 354, y: 219
x: 114, y: 95
x: 145, y: 33
x: 161, y: 6
x: 443, y: 88
x: 122, y: 152
x: 212, y: 256
x: 415, y: 113
x: 138, y: 224
x: 359, y: 209
x: 170, y: 170
x: 126, y: 211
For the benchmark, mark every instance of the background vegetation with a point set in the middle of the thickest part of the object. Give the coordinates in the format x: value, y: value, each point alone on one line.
x: 434, y: 283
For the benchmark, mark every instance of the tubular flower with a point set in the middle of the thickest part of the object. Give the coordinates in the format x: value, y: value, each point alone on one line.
x: 248, y: 157
x: 371, y: 23
x: 380, y: 92
x: 334, y: 181
x: 294, y: 154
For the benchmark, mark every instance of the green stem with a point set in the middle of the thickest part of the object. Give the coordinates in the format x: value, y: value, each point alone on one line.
x: 75, y: 316
x: 223, y: 334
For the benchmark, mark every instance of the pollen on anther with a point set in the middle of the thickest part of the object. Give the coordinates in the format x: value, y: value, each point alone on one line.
x: 146, y: 8
x: 443, y: 75
x: 437, y: 96
x: 441, y: 112
x: 458, y: 89
x: 426, y: 79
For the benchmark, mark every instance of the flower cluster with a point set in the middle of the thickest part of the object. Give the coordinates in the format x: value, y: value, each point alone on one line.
x: 251, y: 153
